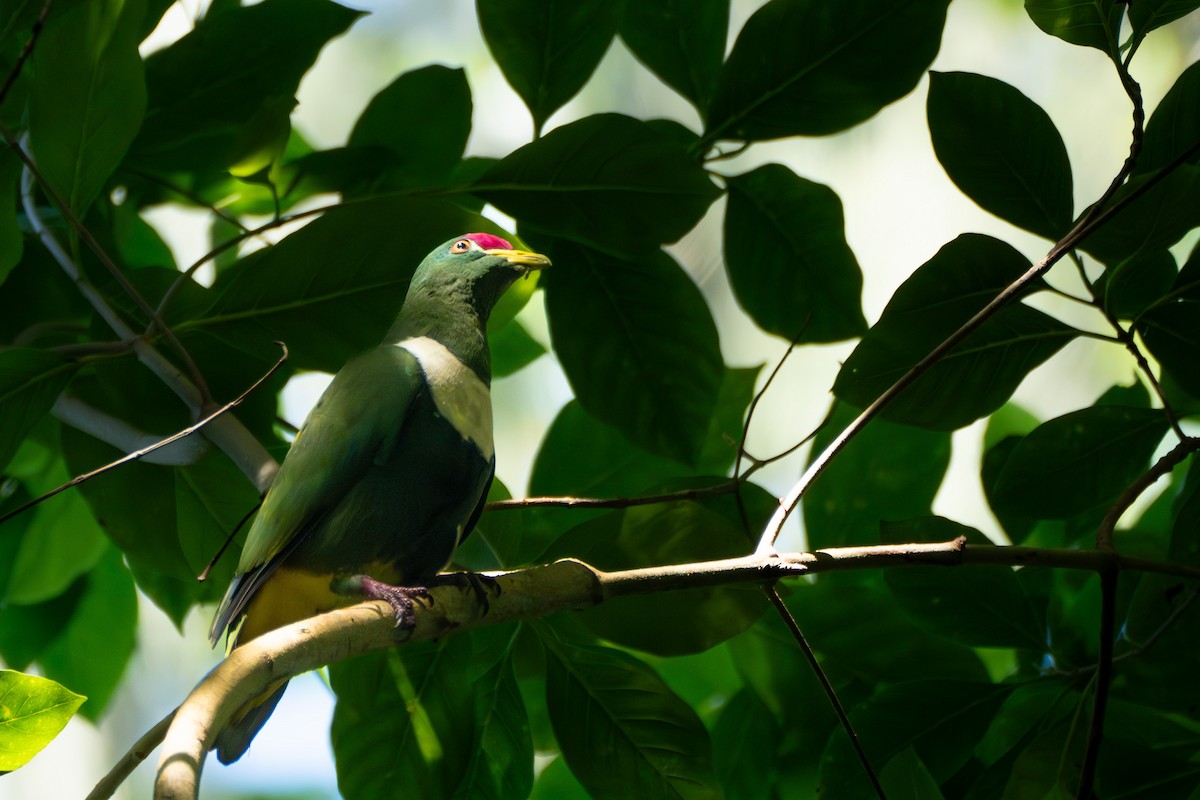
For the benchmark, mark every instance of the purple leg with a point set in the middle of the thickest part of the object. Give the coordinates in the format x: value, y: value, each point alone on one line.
x: 402, y: 599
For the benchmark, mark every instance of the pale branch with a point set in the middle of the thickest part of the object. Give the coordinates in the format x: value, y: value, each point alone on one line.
x: 29, y: 173
x: 137, y: 454
x: 529, y: 593
x: 242, y: 447
x: 125, y: 437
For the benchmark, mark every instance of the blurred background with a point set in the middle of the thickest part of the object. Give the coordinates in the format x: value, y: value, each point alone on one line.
x: 899, y: 207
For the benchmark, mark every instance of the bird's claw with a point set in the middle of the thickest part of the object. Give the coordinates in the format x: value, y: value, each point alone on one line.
x: 402, y: 599
x: 484, y: 587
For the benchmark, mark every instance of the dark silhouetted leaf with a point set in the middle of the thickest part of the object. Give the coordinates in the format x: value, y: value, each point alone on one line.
x: 512, y: 349
x: 1076, y: 462
x: 607, y: 180
x: 806, y: 67
x: 1152, y: 221
x: 1175, y: 124
x: 1093, y: 24
x: 787, y: 257
x: 978, y: 605
x: 1128, y: 288
x: 89, y: 96
x: 682, y: 41
x: 638, y: 344
x: 1002, y: 150
x: 621, y: 729
x: 906, y: 777
x: 417, y: 154
x: 547, y: 49
x: 889, y: 471
x: 1150, y: 14
x: 944, y: 721
x: 745, y: 739
x: 977, y: 376
x: 223, y: 93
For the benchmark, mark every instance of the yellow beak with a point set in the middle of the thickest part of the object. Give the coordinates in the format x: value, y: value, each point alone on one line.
x: 522, y: 258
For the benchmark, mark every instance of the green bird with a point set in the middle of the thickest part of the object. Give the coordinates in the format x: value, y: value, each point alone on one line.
x: 390, y: 470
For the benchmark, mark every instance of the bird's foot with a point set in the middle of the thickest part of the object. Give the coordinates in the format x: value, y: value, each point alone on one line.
x: 402, y: 599
x: 484, y: 586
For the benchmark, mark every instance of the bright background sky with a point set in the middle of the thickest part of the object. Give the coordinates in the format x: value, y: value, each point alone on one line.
x: 899, y: 206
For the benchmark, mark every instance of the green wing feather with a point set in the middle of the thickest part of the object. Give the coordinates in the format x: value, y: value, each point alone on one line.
x: 360, y: 415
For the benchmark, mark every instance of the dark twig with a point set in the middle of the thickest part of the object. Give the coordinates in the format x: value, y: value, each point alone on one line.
x: 831, y: 693
x: 188, y: 431
x: 728, y: 487
x: 26, y: 51
x: 1104, y: 532
x: 203, y: 576
x: 1104, y: 669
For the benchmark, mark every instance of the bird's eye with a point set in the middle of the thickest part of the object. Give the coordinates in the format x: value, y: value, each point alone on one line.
x: 461, y: 246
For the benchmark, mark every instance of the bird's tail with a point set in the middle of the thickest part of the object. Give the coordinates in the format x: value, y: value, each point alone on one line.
x: 233, y: 742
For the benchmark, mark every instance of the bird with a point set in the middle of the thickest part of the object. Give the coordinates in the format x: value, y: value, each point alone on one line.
x: 388, y: 473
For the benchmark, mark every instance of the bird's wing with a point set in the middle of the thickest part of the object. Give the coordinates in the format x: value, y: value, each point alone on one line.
x: 359, y: 416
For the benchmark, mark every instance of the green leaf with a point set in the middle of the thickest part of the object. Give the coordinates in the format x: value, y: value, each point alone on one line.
x: 807, y: 67
x: 1150, y: 14
x: 89, y: 96
x: 1175, y: 124
x: 1152, y: 221
x: 222, y: 94
x: 547, y: 49
x: 1096, y: 23
x: 417, y: 154
x: 905, y: 777
x: 1031, y: 705
x: 33, y: 711
x: 745, y: 739
x: 889, y: 471
x: 30, y: 381
x: 943, y: 722
x: 92, y: 652
x: 978, y: 605
x: 1047, y: 767
x: 556, y: 782
x: 27, y: 630
x: 607, y: 180
x: 787, y: 257
x: 326, y: 315
x: 1002, y: 150
x: 621, y: 730
x: 441, y: 719
x: 681, y: 41
x: 1078, y: 461
x: 513, y: 349
x: 674, y: 623
x: 859, y: 632
x: 981, y: 373
x: 62, y: 540
x: 638, y: 344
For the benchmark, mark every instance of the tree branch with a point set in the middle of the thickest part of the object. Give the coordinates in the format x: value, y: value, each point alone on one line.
x: 528, y: 593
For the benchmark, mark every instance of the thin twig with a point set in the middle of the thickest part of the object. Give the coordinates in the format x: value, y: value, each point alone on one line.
x: 1104, y: 532
x: 727, y: 487
x: 141, y: 749
x: 830, y: 693
x: 1104, y: 669
x: 188, y: 431
x: 26, y: 51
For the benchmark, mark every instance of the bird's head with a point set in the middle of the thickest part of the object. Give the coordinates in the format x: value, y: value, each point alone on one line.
x: 479, y: 266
